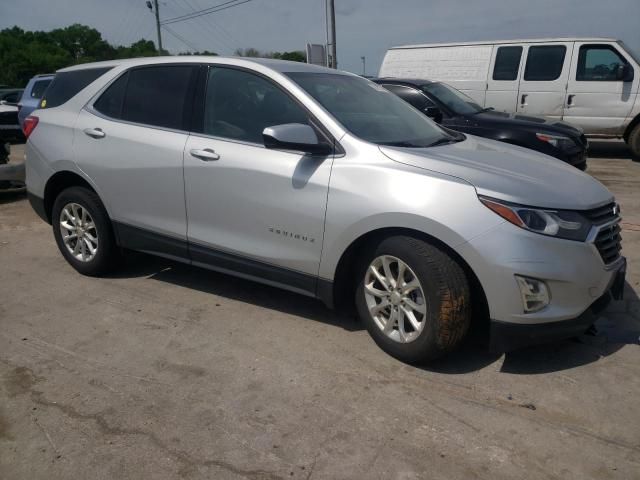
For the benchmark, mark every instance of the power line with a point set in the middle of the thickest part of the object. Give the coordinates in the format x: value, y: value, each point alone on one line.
x: 181, y: 38
x: 207, y: 11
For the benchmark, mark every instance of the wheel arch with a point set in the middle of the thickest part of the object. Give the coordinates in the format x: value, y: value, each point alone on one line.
x: 630, y: 127
x: 344, y: 282
x: 57, y: 183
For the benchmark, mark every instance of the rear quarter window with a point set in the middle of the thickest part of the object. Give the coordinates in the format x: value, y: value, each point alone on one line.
x: 39, y: 87
x: 67, y: 85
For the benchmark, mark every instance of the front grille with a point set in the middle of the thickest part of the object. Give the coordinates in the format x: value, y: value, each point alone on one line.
x: 602, y: 215
x: 608, y: 242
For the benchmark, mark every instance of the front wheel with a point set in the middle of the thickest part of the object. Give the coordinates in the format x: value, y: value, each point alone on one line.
x: 413, y: 298
x: 83, y: 231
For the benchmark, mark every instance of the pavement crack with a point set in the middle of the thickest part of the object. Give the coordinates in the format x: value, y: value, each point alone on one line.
x: 189, y: 462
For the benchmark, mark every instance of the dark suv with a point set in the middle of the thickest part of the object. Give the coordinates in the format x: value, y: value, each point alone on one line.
x: 453, y: 109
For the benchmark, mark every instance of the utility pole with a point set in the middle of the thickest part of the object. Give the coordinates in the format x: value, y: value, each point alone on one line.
x: 157, y: 12
x: 334, y: 55
x: 364, y: 66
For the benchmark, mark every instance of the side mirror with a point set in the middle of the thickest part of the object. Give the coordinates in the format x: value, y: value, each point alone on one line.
x: 434, y: 113
x: 295, y: 136
x: 3, y: 102
x: 624, y: 73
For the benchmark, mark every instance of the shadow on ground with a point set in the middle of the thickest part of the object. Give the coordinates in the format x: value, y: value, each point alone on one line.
x: 609, y: 149
x: 12, y: 195
x: 609, y: 337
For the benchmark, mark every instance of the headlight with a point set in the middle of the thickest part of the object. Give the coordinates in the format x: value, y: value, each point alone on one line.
x: 557, y: 141
x: 555, y: 223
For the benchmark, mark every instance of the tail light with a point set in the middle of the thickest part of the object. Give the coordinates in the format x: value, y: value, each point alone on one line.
x: 29, y: 125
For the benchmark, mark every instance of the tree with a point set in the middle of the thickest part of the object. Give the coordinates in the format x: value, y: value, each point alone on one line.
x: 24, y: 54
x: 295, y: 56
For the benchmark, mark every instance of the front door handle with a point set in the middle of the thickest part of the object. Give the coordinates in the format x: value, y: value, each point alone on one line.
x: 94, y: 132
x: 570, y: 100
x: 523, y: 99
x: 205, y: 155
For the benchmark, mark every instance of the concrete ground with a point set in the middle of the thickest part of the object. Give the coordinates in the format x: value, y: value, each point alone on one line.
x: 166, y: 371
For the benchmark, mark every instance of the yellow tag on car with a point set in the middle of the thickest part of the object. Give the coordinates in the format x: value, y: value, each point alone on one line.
x: 43, y: 103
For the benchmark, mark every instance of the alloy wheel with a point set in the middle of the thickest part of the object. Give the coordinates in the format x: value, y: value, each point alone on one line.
x: 79, y: 232
x: 395, y: 298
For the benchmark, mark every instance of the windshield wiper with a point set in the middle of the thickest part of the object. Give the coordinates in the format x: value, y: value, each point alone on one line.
x: 445, y: 141
x: 399, y: 144
x: 482, y: 110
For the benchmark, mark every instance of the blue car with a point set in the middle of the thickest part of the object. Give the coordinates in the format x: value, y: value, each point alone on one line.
x: 32, y: 94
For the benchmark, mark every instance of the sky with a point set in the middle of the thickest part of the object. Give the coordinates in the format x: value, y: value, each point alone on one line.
x: 364, y: 27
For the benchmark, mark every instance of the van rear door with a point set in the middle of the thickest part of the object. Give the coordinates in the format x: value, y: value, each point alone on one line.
x: 601, y: 89
x: 544, y: 79
x: 504, y: 77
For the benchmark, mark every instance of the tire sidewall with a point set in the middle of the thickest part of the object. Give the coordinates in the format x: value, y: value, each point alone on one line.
x: 88, y: 200
x: 426, y: 346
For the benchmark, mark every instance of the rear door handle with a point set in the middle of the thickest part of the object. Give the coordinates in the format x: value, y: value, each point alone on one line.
x: 94, y: 132
x: 523, y: 99
x: 570, y: 100
x: 205, y: 155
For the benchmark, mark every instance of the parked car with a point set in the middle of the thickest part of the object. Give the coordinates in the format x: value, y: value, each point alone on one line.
x: 32, y: 94
x: 453, y: 109
x: 10, y: 130
x: 11, y: 174
x: 592, y: 83
x: 10, y: 96
x: 323, y: 183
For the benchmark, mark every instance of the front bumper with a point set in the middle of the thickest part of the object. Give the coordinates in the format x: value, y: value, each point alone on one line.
x: 12, y: 173
x: 505, y: 337
x: 574, y: 272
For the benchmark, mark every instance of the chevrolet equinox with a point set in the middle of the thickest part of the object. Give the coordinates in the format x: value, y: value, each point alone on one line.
x: 323, y: 183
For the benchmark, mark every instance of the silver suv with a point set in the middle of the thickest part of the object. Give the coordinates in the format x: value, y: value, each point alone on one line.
x: 325, y: 184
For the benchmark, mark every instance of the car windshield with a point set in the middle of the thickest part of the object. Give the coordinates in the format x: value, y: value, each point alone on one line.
x: 457, y: 101
x: 369, y: 111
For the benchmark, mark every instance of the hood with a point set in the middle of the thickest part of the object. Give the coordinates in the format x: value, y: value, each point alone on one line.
x: 507, y: 172
x: 541, y: 124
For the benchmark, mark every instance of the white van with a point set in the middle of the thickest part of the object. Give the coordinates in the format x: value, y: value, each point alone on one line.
x: 589, y: 82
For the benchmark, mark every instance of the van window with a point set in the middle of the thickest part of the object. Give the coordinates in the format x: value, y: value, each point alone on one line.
x: 240, y: 105
x: 507, y: 63
x: 39, y: 87
x: 66, y: 85
x: 598, y: 63
x: 544, y: 63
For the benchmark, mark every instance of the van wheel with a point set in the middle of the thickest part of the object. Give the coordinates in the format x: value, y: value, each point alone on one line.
x: 413, y: 298
x: 83, y: 231
x: 634, y: 142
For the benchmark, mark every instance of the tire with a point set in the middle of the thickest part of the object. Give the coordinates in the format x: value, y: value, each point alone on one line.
x: 106, y: 254
x: 634, y: 142
x: 443, y: 294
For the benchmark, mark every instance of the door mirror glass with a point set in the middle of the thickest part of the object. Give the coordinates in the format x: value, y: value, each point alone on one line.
x: 295, y: 136
x: 434, y: 113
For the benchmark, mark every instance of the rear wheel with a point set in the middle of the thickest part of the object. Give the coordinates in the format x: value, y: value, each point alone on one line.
x: 634, y: 142
x: 413, y: 298
x: 83, y: 231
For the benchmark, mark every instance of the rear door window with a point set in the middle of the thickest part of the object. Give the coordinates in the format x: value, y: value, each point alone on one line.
x: 544, y: 63
x: 507, y: 63
x: 39, y: 87
x: 66, y: 85
x: 159, y: 96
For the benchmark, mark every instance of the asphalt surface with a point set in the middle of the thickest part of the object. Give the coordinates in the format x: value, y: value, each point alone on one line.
x: 166, y: 371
